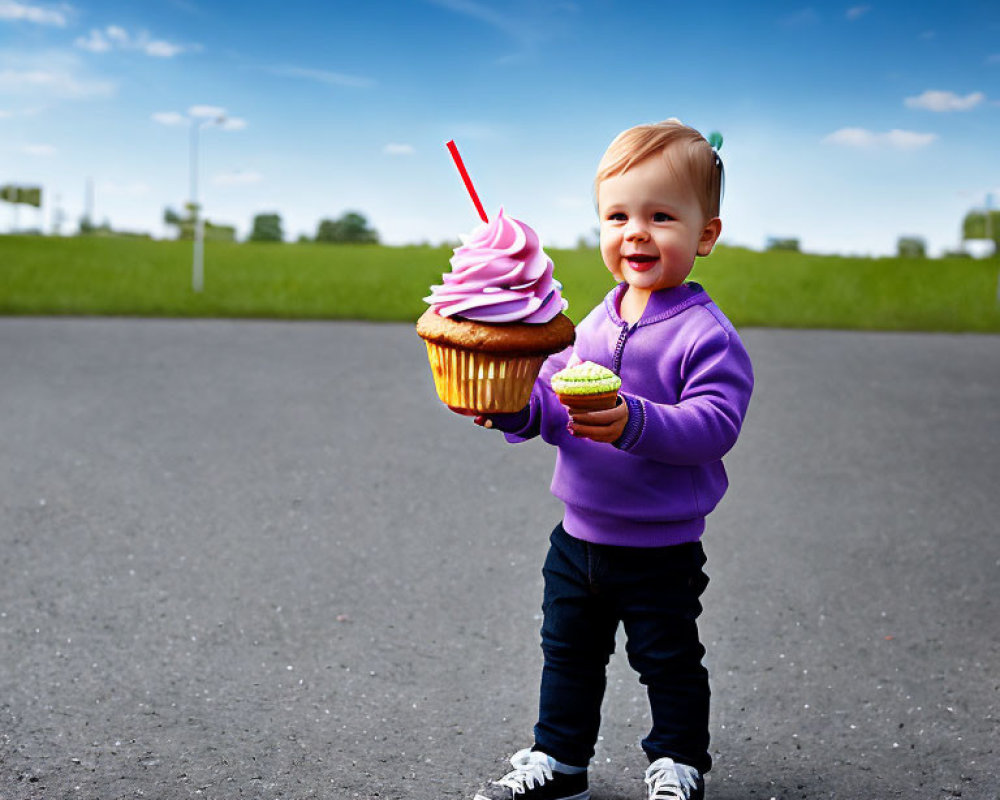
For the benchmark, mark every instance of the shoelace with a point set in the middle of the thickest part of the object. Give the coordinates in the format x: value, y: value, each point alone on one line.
x: 530, y: 768
x: 670, y: 781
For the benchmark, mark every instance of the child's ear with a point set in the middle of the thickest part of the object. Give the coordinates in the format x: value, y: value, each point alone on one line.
x: 709, y: 236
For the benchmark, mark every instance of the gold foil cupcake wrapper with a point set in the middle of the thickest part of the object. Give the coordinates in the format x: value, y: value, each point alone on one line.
x: 482, y: 383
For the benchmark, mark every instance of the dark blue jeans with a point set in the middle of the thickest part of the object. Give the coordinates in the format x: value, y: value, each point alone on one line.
x: 654, y: 592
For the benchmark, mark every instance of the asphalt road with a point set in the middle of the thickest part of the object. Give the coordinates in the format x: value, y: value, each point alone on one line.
x: 260, y: 560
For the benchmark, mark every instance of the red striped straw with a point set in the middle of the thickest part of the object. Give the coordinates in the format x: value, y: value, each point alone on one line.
x: 468, y: 181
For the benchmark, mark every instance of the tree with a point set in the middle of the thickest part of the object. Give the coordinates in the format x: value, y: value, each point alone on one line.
x: 911, y: 247
x: 185, y: 226
x: 21, y: 195
x: 26, y: 195
x: 267, y: 228
x: 775, y: 243
x: 983, y: 225
x: 89, y: 228
x: 352, y: 226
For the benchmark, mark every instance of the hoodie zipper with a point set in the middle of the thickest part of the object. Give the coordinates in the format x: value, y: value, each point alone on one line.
x: 616, y: 359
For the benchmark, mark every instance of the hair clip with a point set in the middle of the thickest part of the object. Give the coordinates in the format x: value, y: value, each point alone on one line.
x: 715, y: 140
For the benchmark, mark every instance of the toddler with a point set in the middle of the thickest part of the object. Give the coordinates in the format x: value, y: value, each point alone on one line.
x: 637, y: 480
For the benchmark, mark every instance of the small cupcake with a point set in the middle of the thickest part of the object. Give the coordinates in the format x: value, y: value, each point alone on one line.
x: 586, y: 387
x: 494, y: 320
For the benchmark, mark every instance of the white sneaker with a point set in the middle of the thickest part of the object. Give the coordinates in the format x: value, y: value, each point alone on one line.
x: 534, y: 779
x: 668, y: 780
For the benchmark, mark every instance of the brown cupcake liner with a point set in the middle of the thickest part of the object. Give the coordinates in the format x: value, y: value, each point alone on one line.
x: 474, y: 382
x: 589, y: 402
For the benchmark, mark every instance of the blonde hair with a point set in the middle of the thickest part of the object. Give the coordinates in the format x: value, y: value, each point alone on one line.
x: 692, y: 158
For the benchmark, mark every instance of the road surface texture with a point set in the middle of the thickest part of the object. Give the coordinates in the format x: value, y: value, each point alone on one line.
x: 261, y: 560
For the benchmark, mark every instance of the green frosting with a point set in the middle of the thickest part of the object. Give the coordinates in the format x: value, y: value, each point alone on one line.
x: 585, y: 378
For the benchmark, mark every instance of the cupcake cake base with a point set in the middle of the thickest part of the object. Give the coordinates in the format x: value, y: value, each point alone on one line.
x: 480, y: 368
x: 589, y: 402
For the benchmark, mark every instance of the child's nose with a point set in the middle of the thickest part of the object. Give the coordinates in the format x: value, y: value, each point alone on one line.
x: 635, y: 232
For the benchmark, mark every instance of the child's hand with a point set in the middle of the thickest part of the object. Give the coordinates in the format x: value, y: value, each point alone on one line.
x: 601, y: 426
x: 503, y: 421
x: 480, y: 419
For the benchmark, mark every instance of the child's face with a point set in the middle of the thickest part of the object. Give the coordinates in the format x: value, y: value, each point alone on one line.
x: 652, y: 226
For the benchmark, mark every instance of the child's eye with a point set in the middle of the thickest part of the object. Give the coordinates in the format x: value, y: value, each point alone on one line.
x: 660, y: 216
x: 618, y: 216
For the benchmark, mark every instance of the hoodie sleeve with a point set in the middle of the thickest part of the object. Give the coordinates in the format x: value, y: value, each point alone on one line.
x: 544, y: 410
x: 717, y: 380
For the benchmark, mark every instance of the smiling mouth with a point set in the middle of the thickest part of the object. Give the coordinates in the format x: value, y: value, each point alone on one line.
x: 640, y: 262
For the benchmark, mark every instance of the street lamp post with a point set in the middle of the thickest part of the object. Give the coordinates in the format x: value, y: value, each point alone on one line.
x: 989, y: 235
x: 198, y: 257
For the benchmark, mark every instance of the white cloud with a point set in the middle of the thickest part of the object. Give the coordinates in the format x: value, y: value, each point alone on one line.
x: 527, y: 33
x: 42, y: 150
x: 497, y: 19
x: 94, y: 42
x: 851, y: 137
x: 169, y: 118
x: 393, y: 149
x: 56, y: 82
x: 22, y: 12
x: 206, y: 112
x: 324, y: 76
x: 865, y: 139
x: 161, y: 49
x: 857, y: 12
x: 210, y: 114
x: 241, y: 178
x: 936, y: 100
x: 908, y: 140
x: 116, y: 37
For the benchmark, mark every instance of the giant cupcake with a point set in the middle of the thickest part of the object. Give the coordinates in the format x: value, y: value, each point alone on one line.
x: 494, y: 319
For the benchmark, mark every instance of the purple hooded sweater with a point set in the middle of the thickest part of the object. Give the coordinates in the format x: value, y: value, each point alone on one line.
x: 687, y: 380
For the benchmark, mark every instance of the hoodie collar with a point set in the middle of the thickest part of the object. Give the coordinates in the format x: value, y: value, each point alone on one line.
x: 662, y: 304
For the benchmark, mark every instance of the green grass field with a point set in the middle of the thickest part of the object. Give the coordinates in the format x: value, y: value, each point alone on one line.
x: 134, y: 277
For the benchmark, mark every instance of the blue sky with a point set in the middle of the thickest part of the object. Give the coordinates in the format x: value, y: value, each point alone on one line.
x: 846, y: 125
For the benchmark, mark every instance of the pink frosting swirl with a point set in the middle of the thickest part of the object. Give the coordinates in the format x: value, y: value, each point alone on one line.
x: 499, y: 274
